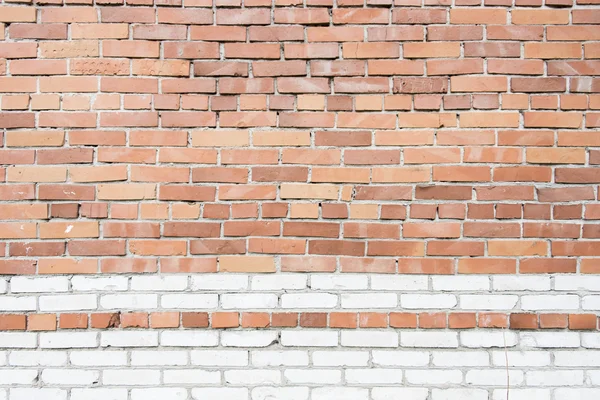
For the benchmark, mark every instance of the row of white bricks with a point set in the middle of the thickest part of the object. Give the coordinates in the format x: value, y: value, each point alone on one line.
x: 383, y: 338
x: 291, y: 301
x: 300, y: 393
x: 291, y: 281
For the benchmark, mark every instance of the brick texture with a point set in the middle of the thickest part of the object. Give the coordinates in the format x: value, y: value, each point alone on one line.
x: 299, y: 200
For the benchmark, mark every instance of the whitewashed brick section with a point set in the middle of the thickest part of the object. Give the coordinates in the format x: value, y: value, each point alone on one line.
x: 159, y: 357
x: 131, y: 377
x: 252, y: 377
x: 577, y: 283
x: 521, y: 283
x: 345, y: 358
x: 369, y: 300
x: 339, y: 282
x: 129, y: 301
x: 591, y: 303
x: 159, y: 394
x: 99, y: 394
x: 374, y: 376
x: 313, y: 376
x: 248, y: 301
x: 550, y: 302
x: 189, y: 301
x: 577, y: 358
x: 521, y: 358
x: 309, y: 300
x: 37, y: 358
x: 18, y: 340
x: 72, y: 302
x: 221, y: 393
x: 159, y: 283
x: 387, y: 393
x: 229, y: 358
x: 554, y: 378
x: 489, y: 377
x: 21, y: 303
x: 429, y: 339
x: 434, y: 377
x: 3, y: 285
x: 102, y: 358
x: 312, y: 338
x: 229, y: 282
x: 109, y: 283
x: 195, y: 338
x: 549, y: 340
x: 488, y: 302
x: 24, y: 284
x: 461, y: 283
x: 38, y: 393
x: 459, y: 394
x: 403, y: 358
x: 339, y: 393
x: 576, y: 393
x: 460, y: 358
x: 19, y: 377
x: 590, y: 340
x: 369, y: 338
x: 280, y: 393
x: 522, y: 394
x: 486, y: 339
x: 276, y: 358
x: 279, y: 282
x: 399, y: 283
x: 66, y: 340
x: 248, y: 338
x: 191, y: 377
x: 70, y: 377
x: 129, y: 339
x: 428, y: 301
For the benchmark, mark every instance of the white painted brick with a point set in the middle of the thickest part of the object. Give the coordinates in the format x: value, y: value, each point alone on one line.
x: 339, y: 393
x: 100, y: 358
x: 131, y: 377
x: 98, y: 394
x: 550, y: 302
x: 346, y: 358
x: 577, y: 283
x: 248, y: 300
x: 463, y: 283
x: 3, y: 394
x: 309, y: 300
x: 18, y: 340
x: 312, y: 337
x: 18, y: 377
x: 461, y: 358
x: 129, y: 301
x: 225, y: 282
x: 369, y: 338
x: 405, y: 358
x: 590, y: 303
x: 339, y: 282
x: 220, y: 393
x: 71, y: 377
x: 21, y: 303
x: 429, y: 339
x: 3, y: 287
x: 159, y: 283
x: 488, y: 302
x: 590, y: 340
x: 129, y: 339
x: 592, y: 377
x: 369, y: 300
x: 577, y: 358
x: 159, y: 357
x: 159, y: 394
x: 187, y: 301
x: 313, y: 376
x: 399, y: 283
x: 577, y: 394
x: 276, y: 358
x: 230, y: 358
x: 68, y: 302
x: 521, y: 283
x: 25, y: 284
x: 108, y: 283
x: 252, y: 377
x: 427, y: 301
x: 191, y: 376
x: 38, y: 393
x: 459, y: 394
x: 65, y: 340
x: 189, y: 338
x: 279, y: 282
x: 487, y: 339
x: 433, y: 377
x: 373, y: 376
x: 248, y: 338
x: 280, y: 393
x: 522, y: 394
x: 554, y: 378
x: 493, y: 377
x: 3, y: 358
x: 545, y: 340
x: 521, y: 358
x: 388, y: 393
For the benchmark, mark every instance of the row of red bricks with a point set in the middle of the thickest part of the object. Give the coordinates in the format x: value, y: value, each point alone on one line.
x: 348, y: 320
x: 308, y: 16
x: 153, y: 213
x: 300, y: 263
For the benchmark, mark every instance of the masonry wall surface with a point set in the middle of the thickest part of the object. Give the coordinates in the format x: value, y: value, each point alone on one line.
x: 299, y: 200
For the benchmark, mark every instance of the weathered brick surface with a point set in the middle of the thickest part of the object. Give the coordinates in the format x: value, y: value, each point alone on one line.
x: 319, y: 200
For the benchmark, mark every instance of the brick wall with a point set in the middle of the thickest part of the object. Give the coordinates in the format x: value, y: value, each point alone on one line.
x: 287, y: 200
